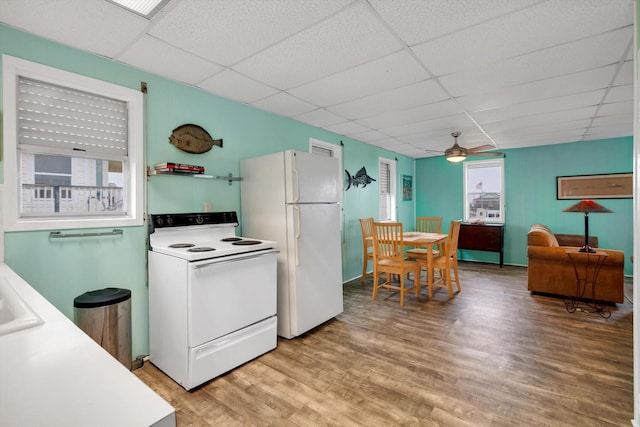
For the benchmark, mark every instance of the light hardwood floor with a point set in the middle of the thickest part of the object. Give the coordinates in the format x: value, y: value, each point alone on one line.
x: 493, y: 356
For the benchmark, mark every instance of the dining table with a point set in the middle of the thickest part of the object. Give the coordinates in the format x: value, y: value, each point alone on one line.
x: 427, y: 241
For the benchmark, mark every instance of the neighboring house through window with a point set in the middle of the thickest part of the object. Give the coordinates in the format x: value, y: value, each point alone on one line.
x: 484, y: 190
x: 72, y: 150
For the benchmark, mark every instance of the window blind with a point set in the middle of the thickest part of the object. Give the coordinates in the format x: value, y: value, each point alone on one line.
x: 70, y: 120
x: 321, y: 151
x: 385, y: 180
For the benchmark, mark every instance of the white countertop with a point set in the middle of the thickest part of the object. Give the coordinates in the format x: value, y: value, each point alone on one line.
x: 55, y: 375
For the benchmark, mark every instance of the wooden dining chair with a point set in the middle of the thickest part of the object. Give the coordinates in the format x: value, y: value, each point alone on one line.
x: 388, y: 258
x: 445, y: 264
x: 426, y: 224
x: 367, y: 244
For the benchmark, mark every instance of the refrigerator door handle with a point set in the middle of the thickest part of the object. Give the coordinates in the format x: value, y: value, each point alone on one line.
x: 296, y: 209
x: 296, y: 175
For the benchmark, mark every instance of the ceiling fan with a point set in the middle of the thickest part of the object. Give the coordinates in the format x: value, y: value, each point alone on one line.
x: 457, y: 153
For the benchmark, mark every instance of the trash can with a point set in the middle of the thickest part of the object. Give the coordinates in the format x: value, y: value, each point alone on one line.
x: 105, y: 315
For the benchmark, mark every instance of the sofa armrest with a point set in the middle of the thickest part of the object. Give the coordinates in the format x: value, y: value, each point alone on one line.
x: 559, y: 253
x: 575, y: 240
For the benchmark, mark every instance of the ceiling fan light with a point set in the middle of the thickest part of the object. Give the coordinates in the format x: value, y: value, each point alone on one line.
x: 455, y: 154
x: 455, y: 158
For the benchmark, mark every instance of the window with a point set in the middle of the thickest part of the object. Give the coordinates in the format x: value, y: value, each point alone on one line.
x: 72, y: 150
x: 484, y: 190
x: 387, y: 189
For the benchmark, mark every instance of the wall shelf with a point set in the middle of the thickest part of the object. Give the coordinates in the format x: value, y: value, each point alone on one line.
x: 229, y: 177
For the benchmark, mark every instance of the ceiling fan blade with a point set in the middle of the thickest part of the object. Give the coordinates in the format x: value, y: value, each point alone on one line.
x: 480, y: 148
x: 489, y: 153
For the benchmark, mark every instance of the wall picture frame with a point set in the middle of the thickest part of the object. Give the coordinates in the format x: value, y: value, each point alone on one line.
x: 407, y: 187
x: 601, y: 186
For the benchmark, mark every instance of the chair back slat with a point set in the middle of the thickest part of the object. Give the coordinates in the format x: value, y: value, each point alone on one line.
x: 452, y: 241
x: 387, y: 240
x: 366, y: 225
x: 429, y: 224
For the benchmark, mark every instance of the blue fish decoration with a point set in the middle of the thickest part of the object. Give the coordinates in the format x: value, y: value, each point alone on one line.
x: 360, y: 178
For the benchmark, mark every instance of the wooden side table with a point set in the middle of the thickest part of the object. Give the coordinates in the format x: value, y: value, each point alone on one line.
x: 586, y: 266
x: 482, y: 237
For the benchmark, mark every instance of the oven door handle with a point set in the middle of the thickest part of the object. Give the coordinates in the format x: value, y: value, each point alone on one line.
x: 244, y: 258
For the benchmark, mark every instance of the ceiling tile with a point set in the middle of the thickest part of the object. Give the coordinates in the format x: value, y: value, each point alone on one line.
x: 92, y: 25
x: 226, y: 31
x: 615, y: 108
x: 446, y: 125
x: 417, y: 20
x: 392, y: 71
x: 150, y: 54
x: 284, y: 104
x: 412, y: 115
x: 425, y: 92
x: 610, y: 131
x: 347, y: 128
x: 235, y: 86
x: 526, y: 140
x: 565, y: 59
x: 547, y: 129
x: 541, y: 119
x: 320, y: 118
x: 523, y: 31
x: 347, y: 39
x: 614, y: 120
x: 584, y: 81
x: 371, y: 136
x: 625, y: 75
x: 620, y: 93
x: 559, y: 103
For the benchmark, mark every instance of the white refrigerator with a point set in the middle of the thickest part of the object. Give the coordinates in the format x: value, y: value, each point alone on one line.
x: 292, y: 197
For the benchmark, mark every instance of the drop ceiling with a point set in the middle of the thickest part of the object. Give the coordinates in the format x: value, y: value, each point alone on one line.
x: 398, y: 74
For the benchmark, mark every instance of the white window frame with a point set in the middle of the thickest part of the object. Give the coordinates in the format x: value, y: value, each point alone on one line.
x: 483, y: 164
x: 135, y: 169
x: 390, y: 199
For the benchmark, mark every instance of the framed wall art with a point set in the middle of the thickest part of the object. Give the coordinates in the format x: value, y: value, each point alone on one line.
x: 603, y: 186
x: 407, y: 187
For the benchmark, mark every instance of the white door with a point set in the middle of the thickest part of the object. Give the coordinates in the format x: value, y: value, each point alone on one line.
x: 316, y: 269
x: 312, y: 178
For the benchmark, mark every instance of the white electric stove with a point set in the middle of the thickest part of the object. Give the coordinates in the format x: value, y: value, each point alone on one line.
x: 212, y: 296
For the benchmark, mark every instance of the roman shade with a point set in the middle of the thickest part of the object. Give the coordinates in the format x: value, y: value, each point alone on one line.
x: 70, y: 122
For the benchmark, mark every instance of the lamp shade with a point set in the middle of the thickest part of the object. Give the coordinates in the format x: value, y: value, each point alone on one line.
x: 587, y: 206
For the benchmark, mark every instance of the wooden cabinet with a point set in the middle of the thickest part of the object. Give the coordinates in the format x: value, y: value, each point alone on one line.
x: 482, y: 237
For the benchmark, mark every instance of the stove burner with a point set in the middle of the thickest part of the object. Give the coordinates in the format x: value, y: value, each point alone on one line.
x: 247, y: 242
x: 182, y: 245
x: 231, y: 239
x: 201, y: 249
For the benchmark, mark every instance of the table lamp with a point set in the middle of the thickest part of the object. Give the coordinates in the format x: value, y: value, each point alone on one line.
x: 587, y: 206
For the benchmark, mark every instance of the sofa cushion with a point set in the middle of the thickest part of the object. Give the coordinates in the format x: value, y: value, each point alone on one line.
x: 539, y: 235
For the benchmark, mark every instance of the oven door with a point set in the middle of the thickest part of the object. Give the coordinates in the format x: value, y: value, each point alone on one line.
x: 229, y: 293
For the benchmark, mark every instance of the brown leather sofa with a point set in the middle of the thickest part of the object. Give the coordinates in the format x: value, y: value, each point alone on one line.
x: 551, y: 271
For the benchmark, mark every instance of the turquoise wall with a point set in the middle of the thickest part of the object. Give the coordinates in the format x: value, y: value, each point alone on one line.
x: 61, y: 269
x: 530, y: 186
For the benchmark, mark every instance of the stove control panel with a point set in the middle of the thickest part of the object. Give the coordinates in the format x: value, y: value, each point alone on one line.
x: 186, y: 219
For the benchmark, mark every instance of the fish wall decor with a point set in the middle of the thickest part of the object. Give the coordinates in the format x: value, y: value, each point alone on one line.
x: 360, y: 179
x: 193, y: 139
